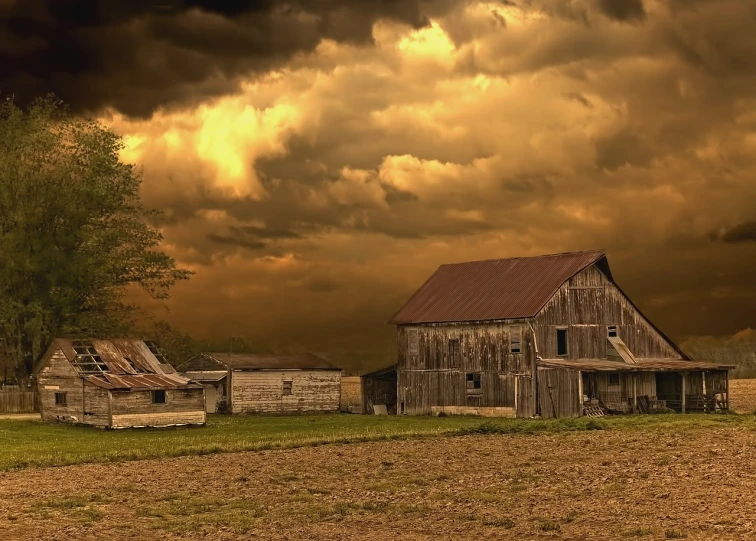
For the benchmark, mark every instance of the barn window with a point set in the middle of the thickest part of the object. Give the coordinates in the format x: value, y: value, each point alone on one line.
x: 611, y: 330
x: 515, y: 339
x: 158, y: 397
x: 414, y: 342
x: 454, y: 353
x: 60, y: 399
x: 287, y: 387
x: 613, y: 379
x: 473, y: 384
x: 561, y: 342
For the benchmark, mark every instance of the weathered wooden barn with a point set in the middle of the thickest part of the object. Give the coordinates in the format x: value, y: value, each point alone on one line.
x: 115, y: 384
x: 267, y: 383
x: 550, y: 335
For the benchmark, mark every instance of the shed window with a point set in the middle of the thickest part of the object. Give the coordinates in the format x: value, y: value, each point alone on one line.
x: 158, y: 397
x: 611, y: 330
x: 60, y: 399
x: 515, y: 339
x: 287, y: 387
x: 613, y: 379
x: 414, y: 342
x: 561, y: 342
x: 454, y: 353
x: 473, y: 384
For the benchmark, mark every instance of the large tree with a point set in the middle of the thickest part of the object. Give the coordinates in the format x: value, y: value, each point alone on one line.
x: 74, y: 236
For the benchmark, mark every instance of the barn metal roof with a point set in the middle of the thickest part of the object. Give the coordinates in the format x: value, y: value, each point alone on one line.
x: 642, y: 365
x: 492, y: 289
x: 266, y: 361
x: 141, y: 381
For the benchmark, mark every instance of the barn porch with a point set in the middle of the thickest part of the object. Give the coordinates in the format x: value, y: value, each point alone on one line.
x: 596, y: 387
x: 379, y: 388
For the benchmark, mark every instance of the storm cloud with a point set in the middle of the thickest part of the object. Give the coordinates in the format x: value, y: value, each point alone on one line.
x: 313, y: 181
x: 139, y: 55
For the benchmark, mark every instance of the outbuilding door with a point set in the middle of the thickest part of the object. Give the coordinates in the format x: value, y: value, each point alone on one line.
x: 211, y: 398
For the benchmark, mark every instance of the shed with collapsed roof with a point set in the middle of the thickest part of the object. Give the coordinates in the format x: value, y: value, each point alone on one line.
x: 117, y: 383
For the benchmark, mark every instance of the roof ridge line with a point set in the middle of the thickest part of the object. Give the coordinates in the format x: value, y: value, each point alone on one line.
x: 576, y: 252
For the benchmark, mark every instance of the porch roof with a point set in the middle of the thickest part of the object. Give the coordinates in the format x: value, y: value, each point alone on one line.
x: 643, y: 365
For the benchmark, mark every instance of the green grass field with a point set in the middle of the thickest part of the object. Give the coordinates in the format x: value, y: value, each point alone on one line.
x: 35, y: 444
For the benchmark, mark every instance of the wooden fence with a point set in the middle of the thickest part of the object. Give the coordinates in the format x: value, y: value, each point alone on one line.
x: 18, y: 402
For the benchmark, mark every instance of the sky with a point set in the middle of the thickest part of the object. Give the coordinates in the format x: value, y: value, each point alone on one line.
x: 317, y: 160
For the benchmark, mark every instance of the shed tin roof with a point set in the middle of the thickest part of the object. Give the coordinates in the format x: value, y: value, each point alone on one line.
x: 118, y: 355
x: 269, y: 361
x: 493, y: 289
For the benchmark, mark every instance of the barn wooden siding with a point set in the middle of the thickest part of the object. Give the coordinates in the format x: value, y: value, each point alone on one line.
x: 586, y: 305
x: 429, y: 379
x: 135, y: 408
x: 96, y: 406
x: 559, y: 392
x: 261, y: 391
x: 58, y: 376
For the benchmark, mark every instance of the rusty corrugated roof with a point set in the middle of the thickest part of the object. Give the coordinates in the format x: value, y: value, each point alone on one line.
x: 115, y: 352
x: 643, y: 365
x: 492, y: 289
x: 141, y: 381
x: 269, y: 361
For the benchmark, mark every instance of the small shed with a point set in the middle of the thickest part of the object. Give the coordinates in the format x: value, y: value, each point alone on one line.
x: 379, y: 389
x: 116, y: 383
x: 214, y: 382
x: 272, y: 383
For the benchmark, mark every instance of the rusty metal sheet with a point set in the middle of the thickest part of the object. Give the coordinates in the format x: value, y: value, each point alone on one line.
x: 115, y: 353
x: 493, y: 289
x: 264, y: 361
x: 141, y: 381
x: 642, y: 365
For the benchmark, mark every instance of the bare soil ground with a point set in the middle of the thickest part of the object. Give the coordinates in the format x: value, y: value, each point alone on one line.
x: 600, y: 485
x: 743, y: 395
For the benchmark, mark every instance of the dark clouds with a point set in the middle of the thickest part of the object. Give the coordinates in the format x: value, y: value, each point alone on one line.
x: 139, y: 55
x: 324, y: 192
x: 623, y: 10
x: 744, y: 232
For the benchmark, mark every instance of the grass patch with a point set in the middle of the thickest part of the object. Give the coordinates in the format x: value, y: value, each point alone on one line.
x: 674, y: 534
x: 548, y: 526
x: 37, y: 444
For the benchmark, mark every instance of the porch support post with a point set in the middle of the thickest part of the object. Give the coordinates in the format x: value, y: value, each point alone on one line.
x: 635, y: 392
x: 684, y: 381
x: 580, y: 392
x: 727, y: 390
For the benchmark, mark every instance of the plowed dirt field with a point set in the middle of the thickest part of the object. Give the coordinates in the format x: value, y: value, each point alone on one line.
x: 697, y: 483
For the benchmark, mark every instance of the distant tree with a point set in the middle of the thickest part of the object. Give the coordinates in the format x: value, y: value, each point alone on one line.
x: 73, y: 233
x: 738, y: 350
x: 178, y: 346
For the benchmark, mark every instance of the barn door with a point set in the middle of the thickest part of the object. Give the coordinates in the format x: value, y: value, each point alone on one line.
x: 524, y: 400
